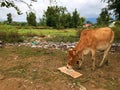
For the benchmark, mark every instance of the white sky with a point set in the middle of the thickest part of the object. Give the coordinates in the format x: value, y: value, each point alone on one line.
x: 86, y: 8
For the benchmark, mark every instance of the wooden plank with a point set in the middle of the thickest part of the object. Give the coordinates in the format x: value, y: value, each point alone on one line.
x: 70, y: 72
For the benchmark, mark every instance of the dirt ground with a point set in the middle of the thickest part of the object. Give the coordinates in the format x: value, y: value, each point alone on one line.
x: 23, y: 68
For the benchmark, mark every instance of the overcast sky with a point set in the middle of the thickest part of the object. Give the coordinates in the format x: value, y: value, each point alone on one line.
x: 86, y: 8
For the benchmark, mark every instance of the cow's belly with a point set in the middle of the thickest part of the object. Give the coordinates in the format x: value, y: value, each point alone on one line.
x: 102, y: 47
x: 86, y: 51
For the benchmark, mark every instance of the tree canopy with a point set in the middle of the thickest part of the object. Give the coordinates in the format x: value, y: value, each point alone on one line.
x: 59, y: 17
x: 11, y: 3
x: 104, y: 18
x: 31, y: 19
x: 114, y: 5
x: 9, y: 18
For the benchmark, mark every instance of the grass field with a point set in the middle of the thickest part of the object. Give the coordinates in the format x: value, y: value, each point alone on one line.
x: 22, y: 31
x: 14, y: 34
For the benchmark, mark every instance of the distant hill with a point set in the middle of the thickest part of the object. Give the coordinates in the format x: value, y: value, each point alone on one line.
x: 93, y: 20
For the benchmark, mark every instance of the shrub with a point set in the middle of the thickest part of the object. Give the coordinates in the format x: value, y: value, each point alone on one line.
x: 117, y: 33
x: 10, y: 36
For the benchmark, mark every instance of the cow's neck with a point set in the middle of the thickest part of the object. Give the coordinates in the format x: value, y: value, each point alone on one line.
x: 79, y: 47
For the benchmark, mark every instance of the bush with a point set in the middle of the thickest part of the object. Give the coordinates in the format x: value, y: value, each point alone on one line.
x: 117, y: 34
x: 10, y: 36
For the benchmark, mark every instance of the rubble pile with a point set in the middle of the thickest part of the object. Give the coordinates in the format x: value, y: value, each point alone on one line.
x: 37, y: 42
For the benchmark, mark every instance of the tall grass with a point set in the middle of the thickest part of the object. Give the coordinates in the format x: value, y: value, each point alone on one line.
x: 51, y: 32
x: 117, y: 33
x: 10, y: 36
x: 13, y: 34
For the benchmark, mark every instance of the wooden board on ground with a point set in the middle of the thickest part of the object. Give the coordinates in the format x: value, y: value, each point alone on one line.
x: 70, y: 72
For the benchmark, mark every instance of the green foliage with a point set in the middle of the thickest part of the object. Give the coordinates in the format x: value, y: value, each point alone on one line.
x: 9, y: 18
x: 10, y: 36
x: 104, y: 18
x: 54, y: 16
x: 75, y: 19
x: 31, y: 19
x: 43, y: 21
x: 117, y: 23
x: 8, y: 4
x: 117, y: 33
x: 13, y: 34
x: 11, y: 3
x: 58, y: 17
x: 114, y: 5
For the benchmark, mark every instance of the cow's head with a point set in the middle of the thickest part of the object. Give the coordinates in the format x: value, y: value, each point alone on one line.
x: 72, y: 57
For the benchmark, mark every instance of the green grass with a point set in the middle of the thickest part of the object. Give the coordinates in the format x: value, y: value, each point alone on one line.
x: 52, y: 32
x: 46, y: 32
x: 14, y: 34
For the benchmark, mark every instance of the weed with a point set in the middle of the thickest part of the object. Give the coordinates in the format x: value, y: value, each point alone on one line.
x: 117, y: 33
x: 10, y: 36
x: 19, y: 70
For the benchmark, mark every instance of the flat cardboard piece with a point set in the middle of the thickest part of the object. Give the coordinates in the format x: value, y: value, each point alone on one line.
x: 70, y: 72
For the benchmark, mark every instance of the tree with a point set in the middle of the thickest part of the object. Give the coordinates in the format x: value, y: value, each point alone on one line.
x: 103, y: 18
x: 51, y: 14
x: 55, y: 16
x: 31, y: 19
x: 11, y: 3
x: 75, y: 19
x: 43, y: 21
x: 9, y: 18
x: 68, y: 21
x: 114, y: 5
x: 59, y: 17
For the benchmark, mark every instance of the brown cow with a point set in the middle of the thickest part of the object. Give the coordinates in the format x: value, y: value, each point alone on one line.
x: 91, y: 41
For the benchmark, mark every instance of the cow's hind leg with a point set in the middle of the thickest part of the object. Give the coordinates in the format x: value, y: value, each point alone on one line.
x: 93, y: 59
x: 105, y: 54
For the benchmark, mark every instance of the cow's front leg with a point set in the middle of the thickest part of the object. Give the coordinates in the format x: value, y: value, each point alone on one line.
x: 80, y: 63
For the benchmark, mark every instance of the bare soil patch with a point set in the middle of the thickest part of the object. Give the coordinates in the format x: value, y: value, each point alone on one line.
x: 25, y: 68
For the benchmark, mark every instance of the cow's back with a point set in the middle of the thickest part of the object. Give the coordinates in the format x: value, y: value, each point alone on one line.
x: 97, y: 38
x: 103, y: 34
